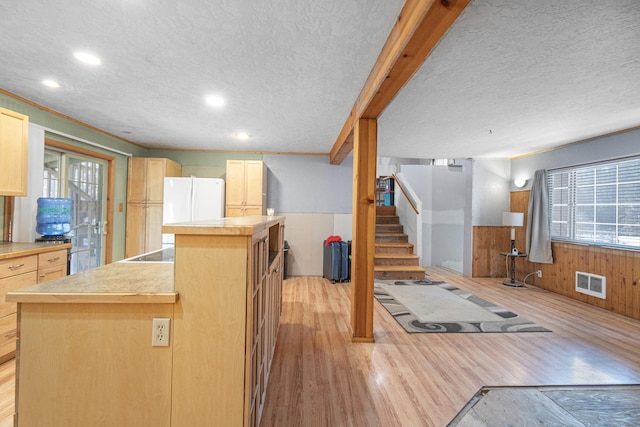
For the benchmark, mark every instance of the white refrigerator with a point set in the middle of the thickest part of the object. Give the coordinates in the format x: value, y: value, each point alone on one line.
x: 191, y: 199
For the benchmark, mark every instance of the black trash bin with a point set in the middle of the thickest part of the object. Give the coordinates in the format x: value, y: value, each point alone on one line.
x: 286, y: 263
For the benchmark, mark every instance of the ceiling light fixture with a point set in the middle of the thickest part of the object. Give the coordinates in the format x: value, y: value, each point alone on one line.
x: 242, y: 135
x: 51, y: 83
x: 214, y: 100
x: 87, y: 58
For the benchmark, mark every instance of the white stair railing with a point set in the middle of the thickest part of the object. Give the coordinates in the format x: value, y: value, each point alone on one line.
x: 408, y: 209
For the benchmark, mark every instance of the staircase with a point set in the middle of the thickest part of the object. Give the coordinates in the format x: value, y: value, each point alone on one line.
x: 394, y: 258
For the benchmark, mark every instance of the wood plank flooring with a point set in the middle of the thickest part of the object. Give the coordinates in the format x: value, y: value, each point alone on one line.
x: 320, y: 378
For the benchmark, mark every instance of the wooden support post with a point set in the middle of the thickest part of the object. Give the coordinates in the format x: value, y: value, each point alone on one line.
x: 364, y: 226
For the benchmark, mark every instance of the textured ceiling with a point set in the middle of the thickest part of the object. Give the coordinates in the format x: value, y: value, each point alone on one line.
x: 510, y: 77
x: 519, y: 76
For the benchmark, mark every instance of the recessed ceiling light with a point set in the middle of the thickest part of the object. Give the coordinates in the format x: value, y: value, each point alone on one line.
x: 242, y: 135
x: 87, y: 58
x: 214, y: 100
x: 51, y: 83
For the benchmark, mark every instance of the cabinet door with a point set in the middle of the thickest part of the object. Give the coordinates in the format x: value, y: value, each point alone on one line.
x: 136, y: 230
x: 155, y: 179
x: 12, y: 283
x: 51, y: 272
x: 234, y: 191
x: 232, y: 211
x: 14, y: 148
x: 254, y: 174
x: 253, y: 210
x: 172, y: 168
x: 137, y: 180
x: 8, y: 336
x: 154, y: 227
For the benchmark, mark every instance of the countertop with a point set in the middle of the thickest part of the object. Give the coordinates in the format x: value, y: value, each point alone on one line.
x: 16, y: 249
x: 119, y: 282
x: 238, y: 226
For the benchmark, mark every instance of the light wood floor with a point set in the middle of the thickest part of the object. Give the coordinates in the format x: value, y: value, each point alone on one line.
x: 320, y: 378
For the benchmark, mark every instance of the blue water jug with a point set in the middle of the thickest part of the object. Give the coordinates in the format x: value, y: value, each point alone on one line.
x: 54, y: 216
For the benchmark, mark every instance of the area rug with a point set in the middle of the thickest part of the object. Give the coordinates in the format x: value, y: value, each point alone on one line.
x: 442, y: 308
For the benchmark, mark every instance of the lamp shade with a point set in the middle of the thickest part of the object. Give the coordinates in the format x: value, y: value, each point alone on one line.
x: 514, y: 219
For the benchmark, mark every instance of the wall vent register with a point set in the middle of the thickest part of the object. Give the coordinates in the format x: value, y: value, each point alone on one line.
x: 591, y: 284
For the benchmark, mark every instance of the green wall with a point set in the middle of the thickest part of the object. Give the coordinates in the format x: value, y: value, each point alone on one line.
x: 197, y: 163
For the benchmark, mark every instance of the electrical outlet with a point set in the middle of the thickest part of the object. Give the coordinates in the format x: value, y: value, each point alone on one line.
x: 539, y: 273
x: 160, y: 332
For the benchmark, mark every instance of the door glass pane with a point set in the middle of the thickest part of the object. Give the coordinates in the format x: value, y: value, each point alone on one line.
x: 85, y: 187
x: 51, y: 174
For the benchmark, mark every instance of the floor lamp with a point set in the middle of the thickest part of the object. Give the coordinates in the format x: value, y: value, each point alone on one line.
x: 513, y: 219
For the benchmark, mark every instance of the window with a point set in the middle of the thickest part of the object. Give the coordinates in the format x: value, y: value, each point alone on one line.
x: 598, y: 203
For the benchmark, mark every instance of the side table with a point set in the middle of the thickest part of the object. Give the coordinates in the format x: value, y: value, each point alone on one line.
x: 512, y: 273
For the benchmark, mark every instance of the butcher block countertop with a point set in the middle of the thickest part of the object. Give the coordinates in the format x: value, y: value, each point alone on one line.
x: 120, y: 282
x: 235, y: 226
x: 14, y: 249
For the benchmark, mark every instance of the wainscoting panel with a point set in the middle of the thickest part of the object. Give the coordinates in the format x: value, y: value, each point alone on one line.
x: 620, y: 267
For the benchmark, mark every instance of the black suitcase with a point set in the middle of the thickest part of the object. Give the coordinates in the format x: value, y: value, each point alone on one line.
x: 335, y: 261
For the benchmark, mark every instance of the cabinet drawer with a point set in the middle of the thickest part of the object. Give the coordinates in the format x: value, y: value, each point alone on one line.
x: 11, y: 284
x: 51, y: 272
x: 8, y: 329
x: 12, y: 266
x: 46, y: 259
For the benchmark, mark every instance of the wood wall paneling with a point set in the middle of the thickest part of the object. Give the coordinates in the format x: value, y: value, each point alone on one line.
x: 488, y: 242
x: 620, y: 267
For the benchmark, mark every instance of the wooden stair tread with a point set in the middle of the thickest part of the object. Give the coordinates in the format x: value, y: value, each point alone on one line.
x: 396, y: 256
x: 395, y: 268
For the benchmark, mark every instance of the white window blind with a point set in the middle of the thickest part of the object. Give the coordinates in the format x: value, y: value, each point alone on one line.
x: 598, y: 203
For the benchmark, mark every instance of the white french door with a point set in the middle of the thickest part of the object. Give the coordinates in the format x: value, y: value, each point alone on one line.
x: 83, y: 179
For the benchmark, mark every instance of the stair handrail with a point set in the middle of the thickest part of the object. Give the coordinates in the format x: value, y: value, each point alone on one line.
x: 406, y: 193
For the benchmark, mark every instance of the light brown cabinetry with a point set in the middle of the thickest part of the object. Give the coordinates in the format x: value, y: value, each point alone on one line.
x: 52, y: 265
x: 246, y: 188
x: 14, y: 148
x: 15, y: 273
x: 19, y: 271
x: 85, y: 356
x: 229, y: 277
x: 145, y: 188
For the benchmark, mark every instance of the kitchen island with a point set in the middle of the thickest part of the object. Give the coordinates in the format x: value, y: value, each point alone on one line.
x: 85, y: 354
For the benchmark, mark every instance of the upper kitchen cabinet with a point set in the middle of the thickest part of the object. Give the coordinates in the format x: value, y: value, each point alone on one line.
x: 146, y: 178
x: 13, y: 153
x: 246, y: 188
x: 145, y: 188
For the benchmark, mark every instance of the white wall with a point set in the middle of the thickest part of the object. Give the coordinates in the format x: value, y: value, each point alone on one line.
x: 316, y: 198
x: 309, y: 184
x: 442, y: 190
x: 26, y: 208
x: 490, y: 190
x: 305, y: 234
x: 596, y: 150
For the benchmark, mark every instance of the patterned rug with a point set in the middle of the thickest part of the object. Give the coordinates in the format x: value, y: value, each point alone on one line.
x: 407, y: 304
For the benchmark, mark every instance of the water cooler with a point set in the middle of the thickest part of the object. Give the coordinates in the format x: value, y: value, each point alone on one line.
x: 53, y: 222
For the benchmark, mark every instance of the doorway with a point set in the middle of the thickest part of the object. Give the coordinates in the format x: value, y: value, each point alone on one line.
x: 83, y: 178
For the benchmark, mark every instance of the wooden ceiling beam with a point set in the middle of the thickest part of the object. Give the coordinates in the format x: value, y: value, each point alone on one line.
x: 420, y: 26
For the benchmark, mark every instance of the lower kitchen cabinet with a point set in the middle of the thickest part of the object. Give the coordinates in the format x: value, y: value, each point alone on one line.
x: 22, y: 265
